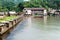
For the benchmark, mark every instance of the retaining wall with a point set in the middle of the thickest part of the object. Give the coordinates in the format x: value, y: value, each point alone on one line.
x: 5, y: 26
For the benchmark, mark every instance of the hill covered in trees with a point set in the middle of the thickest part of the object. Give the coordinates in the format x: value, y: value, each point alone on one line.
x: 8, y: 5
x: 18, y: 5
x: 55, y: 4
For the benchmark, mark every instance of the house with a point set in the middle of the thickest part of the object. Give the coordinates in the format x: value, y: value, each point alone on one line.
x: 2, y: 15
x: 12, y: 13
x: 35, y: 11
x: 57, y: 12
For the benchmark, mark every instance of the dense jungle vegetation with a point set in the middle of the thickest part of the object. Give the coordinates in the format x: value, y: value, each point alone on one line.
x: 18, y: 5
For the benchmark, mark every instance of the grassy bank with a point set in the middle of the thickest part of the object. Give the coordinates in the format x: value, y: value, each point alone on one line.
x: 7, y: 18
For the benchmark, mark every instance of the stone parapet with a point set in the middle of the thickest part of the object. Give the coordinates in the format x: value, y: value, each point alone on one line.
x: 9, y: 24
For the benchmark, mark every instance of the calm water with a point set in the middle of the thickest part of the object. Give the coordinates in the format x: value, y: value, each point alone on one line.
x: 47, y: 28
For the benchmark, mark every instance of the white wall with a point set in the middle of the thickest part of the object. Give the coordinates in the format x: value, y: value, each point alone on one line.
x: 28, y: 12
x: 45, y: 12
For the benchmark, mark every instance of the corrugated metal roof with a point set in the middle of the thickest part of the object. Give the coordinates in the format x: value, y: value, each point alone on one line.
x: 34, y: 8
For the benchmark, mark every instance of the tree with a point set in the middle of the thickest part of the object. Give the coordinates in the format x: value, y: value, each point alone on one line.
x: 20, y: 6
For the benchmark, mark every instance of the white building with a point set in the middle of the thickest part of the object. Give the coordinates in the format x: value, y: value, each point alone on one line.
x: 39, y: 11
x: 12, y: 13
x: 2, y: 15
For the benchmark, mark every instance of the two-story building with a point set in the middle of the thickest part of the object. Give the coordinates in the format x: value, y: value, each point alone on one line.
x: 35, y: 11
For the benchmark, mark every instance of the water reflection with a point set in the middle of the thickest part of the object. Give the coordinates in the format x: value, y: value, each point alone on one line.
x: 5, y: 35
x: 2, y: 37
x: 45, y: 19
x: 46, y: 28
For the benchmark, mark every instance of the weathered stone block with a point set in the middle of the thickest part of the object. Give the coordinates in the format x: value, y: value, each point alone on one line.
x: 11, y: 21
x: 14, y: 22
x: 8, y: 24
x: 2, y: 28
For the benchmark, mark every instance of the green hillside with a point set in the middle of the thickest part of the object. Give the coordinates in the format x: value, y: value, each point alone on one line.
x: 18, y: 5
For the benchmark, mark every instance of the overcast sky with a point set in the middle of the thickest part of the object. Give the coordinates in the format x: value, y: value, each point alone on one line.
x: 25, y: 0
